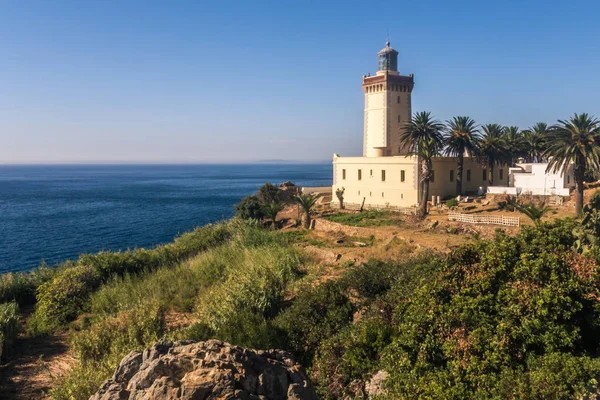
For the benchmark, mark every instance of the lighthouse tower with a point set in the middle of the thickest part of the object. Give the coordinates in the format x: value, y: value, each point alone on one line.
x: 387, y: 106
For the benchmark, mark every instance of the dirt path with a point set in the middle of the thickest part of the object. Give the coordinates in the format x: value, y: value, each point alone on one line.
x: 34, y: 365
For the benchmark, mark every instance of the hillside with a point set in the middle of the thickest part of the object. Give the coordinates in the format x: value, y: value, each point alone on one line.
x: 368, y: 303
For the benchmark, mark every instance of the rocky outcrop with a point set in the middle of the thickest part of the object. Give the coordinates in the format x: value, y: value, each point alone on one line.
x: 206, y: 370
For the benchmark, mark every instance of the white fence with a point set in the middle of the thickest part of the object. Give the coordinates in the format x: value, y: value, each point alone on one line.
x: 529, y: 191
x: 356, y: 206
x: 485, y: 219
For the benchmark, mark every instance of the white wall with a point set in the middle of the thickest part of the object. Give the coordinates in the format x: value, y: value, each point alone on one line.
x: 532, y: 178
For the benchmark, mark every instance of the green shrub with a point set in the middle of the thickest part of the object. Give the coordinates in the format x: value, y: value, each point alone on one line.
x: 62, y: 299
x: 101, y: 347
x: 256, y: 279
x: 351, y: 355
x: 9, y: 326
x: 21, y: 286
x: 452, y: 203
x: 250, y: 207
x: 316, y: 314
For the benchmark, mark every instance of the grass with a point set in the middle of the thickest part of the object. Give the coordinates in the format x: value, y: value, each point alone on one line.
x: 233, y: 289
x: 366, y: 218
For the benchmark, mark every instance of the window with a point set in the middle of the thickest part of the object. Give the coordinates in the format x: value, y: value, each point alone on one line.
x: 398, y: 99
x: 501, y: 174
x: 484, y: 175
x: 432, y: 179
x: 402, y: 176
x: 359, y: 174
x: 343, y: 174
x: 383, y: 175
x: 451, y: 175
x: 399, y: 119
x: 371, y: 172
x: 468, y: 175
x: 381, y: 194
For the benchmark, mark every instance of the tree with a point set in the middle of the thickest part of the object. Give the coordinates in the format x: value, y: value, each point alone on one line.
x: 575, y: 141
x: 513, y: 140
x: 268, y: 193
x: 250, y: 207
x: 534, y: 212
x: 534, y: 141
x: 306, y: 202
x: 461, y: 137
x: 492, y: 148
x: 422, y: 136
x: 339, y: 192
x: 271, y: 210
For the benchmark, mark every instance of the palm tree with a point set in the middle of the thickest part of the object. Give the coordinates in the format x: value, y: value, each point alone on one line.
x: 422, y: 136
x: 576, y: 141
x: 271, y: 210
x: 534, y: 140
x: 514, y: 143
x: 462, y: 136
x: 492, y: 148
x: 535, y: 213
x: 306, y: 202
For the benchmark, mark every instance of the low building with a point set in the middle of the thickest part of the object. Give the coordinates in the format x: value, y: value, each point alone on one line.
x: 533, y: 179
x: 386, y: 175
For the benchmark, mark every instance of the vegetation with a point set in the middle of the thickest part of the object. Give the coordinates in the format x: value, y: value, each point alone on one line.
x: 9, y: 326
x: 462, y: 136
x: 365, y: 218
x: 422, y: 136
x: 493, y: 148
x: 452, y: 203
x: 271, y: 211
x: 250, y: 207
x: 534, y: 142
x: 339, y: 193
x: 576, y: 141
x: 306, y: 203
x: 534, y: 212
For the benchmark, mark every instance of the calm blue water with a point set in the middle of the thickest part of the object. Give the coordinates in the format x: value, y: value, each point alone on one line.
x: 54, y: 213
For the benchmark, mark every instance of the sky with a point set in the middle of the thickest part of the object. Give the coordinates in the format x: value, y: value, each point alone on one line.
x: 240, y: 81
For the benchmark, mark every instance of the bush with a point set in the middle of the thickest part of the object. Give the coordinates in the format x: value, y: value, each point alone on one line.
x: 21, y: 286
x: 269, y: 193
x: 61, y: 299
x: 250, y: 208
x: 315, y: 315
x: 101, y: 347
x: 452, y: 203
x: 9, y: 326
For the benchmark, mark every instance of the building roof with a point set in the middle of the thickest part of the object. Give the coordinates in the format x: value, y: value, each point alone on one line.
x: 387, y: 49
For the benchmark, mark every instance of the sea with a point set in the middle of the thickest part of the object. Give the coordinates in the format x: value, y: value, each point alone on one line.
x: 53, y: 213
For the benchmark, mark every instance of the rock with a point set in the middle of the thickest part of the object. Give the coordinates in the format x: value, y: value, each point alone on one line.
x: 208, y: 370
x: 375, y: 385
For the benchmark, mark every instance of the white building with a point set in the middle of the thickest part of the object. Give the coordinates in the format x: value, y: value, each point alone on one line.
x: 386, y: 176
x: 532, y: 178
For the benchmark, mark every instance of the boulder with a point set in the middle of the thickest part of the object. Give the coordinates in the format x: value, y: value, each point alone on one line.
x: 206, y: 371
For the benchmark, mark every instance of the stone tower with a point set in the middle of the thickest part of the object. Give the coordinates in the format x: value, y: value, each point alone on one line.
x: 387, y: 106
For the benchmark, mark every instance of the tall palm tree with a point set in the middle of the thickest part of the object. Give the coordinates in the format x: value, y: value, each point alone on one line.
x: 306, y: 202
x: 462, y: 136
x: 514, y: 143
x: 534, y: 139
x: 577, y: 141
x: 492, y: 148
x: 422, y: 136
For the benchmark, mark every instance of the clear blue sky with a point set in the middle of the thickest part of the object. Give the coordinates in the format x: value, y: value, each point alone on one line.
x: 195, y: 81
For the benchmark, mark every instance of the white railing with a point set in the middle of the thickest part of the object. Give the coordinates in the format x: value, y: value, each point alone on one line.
x: 485, y: 219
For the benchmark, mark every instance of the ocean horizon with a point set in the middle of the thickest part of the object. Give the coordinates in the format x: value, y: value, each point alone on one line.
x: 54, y: 212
